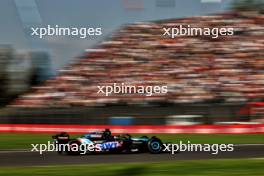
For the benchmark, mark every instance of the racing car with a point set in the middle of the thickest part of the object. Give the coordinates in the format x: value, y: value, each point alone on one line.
x: 105, y: 142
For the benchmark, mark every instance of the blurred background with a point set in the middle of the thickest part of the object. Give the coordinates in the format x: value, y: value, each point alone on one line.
x: 215, y: 86
x: 54, y: 79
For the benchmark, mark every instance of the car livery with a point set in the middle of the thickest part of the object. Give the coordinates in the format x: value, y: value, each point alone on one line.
x: 106, y: 143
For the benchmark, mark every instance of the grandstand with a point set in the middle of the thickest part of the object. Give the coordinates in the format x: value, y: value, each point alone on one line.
x: 197, y: 69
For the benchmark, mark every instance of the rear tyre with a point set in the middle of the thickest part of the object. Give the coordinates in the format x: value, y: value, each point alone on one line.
x: 61, y: 138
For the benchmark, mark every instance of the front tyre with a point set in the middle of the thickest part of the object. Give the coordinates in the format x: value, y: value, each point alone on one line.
x: 155, y: 145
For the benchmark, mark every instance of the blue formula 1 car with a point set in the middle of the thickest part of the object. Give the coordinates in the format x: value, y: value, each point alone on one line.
x: 105, y: 142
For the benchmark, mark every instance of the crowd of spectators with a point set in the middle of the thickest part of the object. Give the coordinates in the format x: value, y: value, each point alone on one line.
x: 195, y: 68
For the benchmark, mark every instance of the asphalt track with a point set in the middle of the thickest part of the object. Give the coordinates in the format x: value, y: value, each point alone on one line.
x: 27, y: 158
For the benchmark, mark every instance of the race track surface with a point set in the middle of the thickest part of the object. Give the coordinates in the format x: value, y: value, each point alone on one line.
x: 27, y: 158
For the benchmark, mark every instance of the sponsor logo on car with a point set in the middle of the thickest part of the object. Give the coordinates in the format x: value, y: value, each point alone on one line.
x: 108, y: 145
